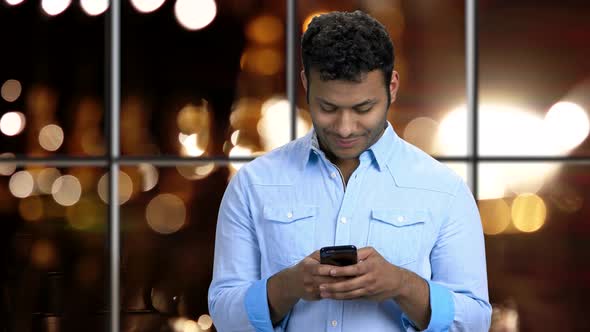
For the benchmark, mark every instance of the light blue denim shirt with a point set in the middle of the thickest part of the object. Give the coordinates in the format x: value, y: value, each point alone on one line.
x: 292, y: 201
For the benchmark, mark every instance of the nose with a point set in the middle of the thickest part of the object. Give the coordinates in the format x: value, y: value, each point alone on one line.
x: 345, y: 123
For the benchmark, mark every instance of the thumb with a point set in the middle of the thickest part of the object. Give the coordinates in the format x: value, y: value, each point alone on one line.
x: 364, y: 253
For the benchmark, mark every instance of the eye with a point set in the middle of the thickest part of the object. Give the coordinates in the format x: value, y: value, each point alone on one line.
x: 327, y: 108
x: 364, y: 110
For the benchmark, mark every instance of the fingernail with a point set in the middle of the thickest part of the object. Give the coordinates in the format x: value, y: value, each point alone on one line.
x: 332, y: 272
x: 322, y: 287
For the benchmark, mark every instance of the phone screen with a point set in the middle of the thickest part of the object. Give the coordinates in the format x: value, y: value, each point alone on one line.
x: 338, y: 255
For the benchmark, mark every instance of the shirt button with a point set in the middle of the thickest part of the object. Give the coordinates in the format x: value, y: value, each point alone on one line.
x: 401, y: 218
x: 289, y: 215
x: 334, y: 323
x: 333, y: 175
x: 343, y: 220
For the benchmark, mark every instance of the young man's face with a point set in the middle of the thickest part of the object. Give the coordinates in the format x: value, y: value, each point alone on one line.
x: 349, y: 117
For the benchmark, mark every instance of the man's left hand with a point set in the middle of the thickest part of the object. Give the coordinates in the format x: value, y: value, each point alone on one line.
x: 372, y: 278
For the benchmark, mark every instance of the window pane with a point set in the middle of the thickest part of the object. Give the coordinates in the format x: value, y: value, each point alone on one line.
x: 168, y: 225
x: 429, y: 49
x: 534, y: 78
x: 537, y: 245
x: 211, y: 91
x: 54, y: 237
x: 52, y: 78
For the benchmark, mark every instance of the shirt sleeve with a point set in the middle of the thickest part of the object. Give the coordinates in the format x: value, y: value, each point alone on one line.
x: 237, y: 295
x: 458, y: 287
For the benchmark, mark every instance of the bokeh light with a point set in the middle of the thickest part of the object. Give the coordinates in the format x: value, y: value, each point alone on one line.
x: 55, y: 7
x: 31, y: 208
x: 7, y: 168
x: 43, y: 254
x: 14, y: 2
x: 234, y: 137
x: 51, y: 137
x: 262, y: 60
x: 125, y: 187
x: 309, y: 18
x: 239, y: 151
x: 421, y: 132
x: 21, y: 184
x: 276, y: 115
x: 149, y: 176
x: 190, y: 145
x: 94, y: 7
x: 12, y: 123
x: 193, y: 119
x: 147, y: 6
x: 568, y: 125
x: 45, y: 179
x: 166, y: 213
x: 459, y: 168
x: 265, y: 29
x: 195, y: 14
x: 192, y: 172
x: 66, y: 190
x: 495, y: 215
x: 11, y: 90
x: 528, y: 212
x: 205, y: 322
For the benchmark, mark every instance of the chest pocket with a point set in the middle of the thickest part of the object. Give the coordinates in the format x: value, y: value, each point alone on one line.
x: 289, y: 232
x: 397, y: 234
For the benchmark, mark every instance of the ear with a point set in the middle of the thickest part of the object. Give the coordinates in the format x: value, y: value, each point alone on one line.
x: 394, y: 85
x: 304, y: 80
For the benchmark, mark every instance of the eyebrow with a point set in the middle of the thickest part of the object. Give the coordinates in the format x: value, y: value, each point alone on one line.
x: 361, y: 104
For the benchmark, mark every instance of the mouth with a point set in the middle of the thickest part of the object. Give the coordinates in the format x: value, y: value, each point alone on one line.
x: 346, y: 142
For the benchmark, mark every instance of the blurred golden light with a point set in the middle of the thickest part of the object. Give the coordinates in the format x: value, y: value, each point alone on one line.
x: 193, y: 119
x: 94, y: 7
x: 7, y: 168
x: 21, y: 184
x: 51, y: 137
x: 66, y: 190
x: 495, y: 215
x: 496, y: 178
x: 149, y: 176
x: 43, y: 254
x: 265, y: 29
x: 421, y: 132
x: 245, y: 111
x: 46, y: 178
x: 234, y: 137
x: 11, y: 89
x: 125, y: 187
x: 14, y: 2
x: 309, y: 18
x: 31, y: 208
x: 205, y: 322
x: 147, y: 6
x: 190, y: 145
x: 459, y: 168
x: 528, y: 212
x: 191, y: 326
x: 568, y: 125
x: 12, y: 123
x: 195, y: 172
x: 263, y: 61
x: 55, y: 7
x: 273, y: 126
x: 452, y: 133
x: 239, y: 151
x: 85, y: 215
x: 195, y: 14
x: 166, y: 214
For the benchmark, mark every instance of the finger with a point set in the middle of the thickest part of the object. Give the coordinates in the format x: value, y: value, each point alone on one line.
x: 323, y: 280
x: 315, y: 256
x: 364, y: 253
x: 345, y: 285
x: 323, y: 270
x: 354, y: 294
x: 348, y: 271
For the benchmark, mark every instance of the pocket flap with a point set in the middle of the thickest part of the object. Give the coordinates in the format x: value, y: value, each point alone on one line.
x: 287, y: 214
x: 400, y: 217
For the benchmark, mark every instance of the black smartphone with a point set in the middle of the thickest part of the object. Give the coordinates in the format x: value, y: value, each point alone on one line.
x: 338, y: 255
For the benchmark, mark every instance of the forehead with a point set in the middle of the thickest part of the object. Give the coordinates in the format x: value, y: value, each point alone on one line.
x: 369, y: 85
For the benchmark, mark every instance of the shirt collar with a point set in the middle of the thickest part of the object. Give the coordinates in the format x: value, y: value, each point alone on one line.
x: 380, y: 151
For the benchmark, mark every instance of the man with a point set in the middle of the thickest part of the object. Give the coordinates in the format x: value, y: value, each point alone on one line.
x: 351, y: 180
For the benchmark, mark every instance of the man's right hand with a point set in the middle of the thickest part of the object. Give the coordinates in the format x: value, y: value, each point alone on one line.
x: 306, y: 279
x: 301, y: 281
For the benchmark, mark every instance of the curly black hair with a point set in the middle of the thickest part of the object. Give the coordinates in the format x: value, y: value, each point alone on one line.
x: 345, y: 45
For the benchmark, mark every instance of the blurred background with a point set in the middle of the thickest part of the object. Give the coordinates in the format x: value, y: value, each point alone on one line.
x: 207, y: 79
